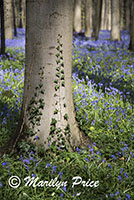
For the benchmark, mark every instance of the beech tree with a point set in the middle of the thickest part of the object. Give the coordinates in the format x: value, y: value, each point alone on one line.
x: 131, y: 46
x: 115, y: 20
x: 14, y: 18
x: 87, y: 18
x: 127, y: 5
x: 106, y: 15
x: 77, y: 16
x: 2, y: 27
x: 97, y: 9
x: 21, y: 8
x: 8, y: 19
x: 48, y: 109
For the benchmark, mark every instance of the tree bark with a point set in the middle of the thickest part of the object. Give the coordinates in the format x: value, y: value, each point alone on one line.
x: 131, y: 45
x: 115, y: 20
x: 97, y: 10
x: 22, y: 14
x: 8, y: 19
x: 14, y: 18
x: 2, y: 28
x: 127, y: 14
x: 122, y: 14
x: 77, y: 16
x: 48, y: 72
x: 87, y: 18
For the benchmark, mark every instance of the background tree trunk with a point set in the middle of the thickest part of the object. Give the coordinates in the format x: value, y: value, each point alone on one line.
x: 14, y: 18
x: 103, y: 18
x: 8, y: 19
x: 22, y: 14
x: 122, y: 14
x: 97, y: 9
x: 88, y: 6
x: 127, y: 14
x: 115, y: 13
x: 2, y: 28
x: 49, y: 67
x: 77, y: 16
x: 131, y: 46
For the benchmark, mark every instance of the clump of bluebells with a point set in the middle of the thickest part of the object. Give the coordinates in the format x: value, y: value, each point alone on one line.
x: 103, y: 76
x: 11, y: 90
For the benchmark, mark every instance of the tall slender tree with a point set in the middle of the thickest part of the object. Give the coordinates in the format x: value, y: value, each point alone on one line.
x: 14, y: 18
x: 131, y: 46
x: 48, y: 104
x: 115, y: 17
x: 2, y: 27
x: 97, y: 10
x: 77, y: 16
x: 127, y: 5
x: 8, y: 19
x: 22, y: 4
x: 87, y: 18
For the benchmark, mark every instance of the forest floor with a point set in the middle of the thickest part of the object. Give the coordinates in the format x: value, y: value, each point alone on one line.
x: 103, y: 89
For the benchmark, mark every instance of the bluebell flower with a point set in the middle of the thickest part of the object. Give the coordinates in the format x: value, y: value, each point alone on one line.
x: 109, y: 166
x: 54, y: 168
x: 60, y: 173
x: 117, y: 193
x: 87, y: 159
x: 128, y: 197
x: 126, y: 175
x: 64, y: 188
x: 48, y: 165
x: 113, y: 156
x: 119, y: 177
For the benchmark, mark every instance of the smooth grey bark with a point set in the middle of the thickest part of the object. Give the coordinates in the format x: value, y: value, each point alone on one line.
x: 106, y: 15
x: 88, y: 5
x: 8, y: 19
x: 97, y: 10
x: 77, y: 16
x: 103, y: 18
x: 46, y: 20
x: 115, y: 20
x: 131, y: 45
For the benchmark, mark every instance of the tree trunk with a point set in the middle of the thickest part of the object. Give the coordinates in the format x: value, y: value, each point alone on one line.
x: 77, y: 16
x: 87, y: 18
x: 127, y: 14
x: 21, y: 13
x: 131, y: 46
x: 14, y: 18
x: 122, y: 14
x: 2, y: 28
x: 103, y: 19
x: 8, y: 19
x: 48, y: 107
x: 97, y: 9
x: 115, y: 13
